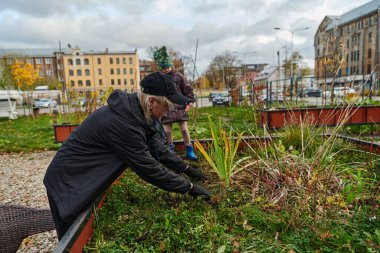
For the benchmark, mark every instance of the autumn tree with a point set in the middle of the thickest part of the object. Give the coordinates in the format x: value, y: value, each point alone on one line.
x: 24, y: 75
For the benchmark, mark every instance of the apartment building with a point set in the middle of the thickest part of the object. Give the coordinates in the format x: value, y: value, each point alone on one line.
x: 347, y: 48
x: 86, y: 71
x: 42, y: 59
x: 82, y: 71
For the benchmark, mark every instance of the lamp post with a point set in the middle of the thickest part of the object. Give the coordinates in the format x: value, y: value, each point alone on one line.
x: 292, y: 31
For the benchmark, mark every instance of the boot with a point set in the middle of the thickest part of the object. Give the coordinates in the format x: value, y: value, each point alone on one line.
x: 171, y: 147
x: 190, y: 153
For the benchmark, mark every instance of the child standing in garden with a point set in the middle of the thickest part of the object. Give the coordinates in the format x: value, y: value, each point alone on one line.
x: 179, y: 113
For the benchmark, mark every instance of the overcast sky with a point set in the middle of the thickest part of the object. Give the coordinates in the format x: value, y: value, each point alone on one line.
x: 219, y: 25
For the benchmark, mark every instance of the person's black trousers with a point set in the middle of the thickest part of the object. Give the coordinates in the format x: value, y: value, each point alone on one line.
x: 60, y: 225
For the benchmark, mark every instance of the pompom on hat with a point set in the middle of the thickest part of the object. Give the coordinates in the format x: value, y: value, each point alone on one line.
x: 162, y: 58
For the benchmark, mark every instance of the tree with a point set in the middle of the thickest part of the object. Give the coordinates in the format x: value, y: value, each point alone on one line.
x: 6, y: 80
x: 298, y: 66
x: 222, y: 71
x: 24, y: 75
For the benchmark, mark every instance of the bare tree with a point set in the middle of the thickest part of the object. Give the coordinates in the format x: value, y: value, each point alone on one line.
x: 222, y: 71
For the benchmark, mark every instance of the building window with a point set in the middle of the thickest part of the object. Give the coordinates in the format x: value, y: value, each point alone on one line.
x: 111, y: 71
x: 124, y: 60
x: 112, y: 82
x: 87, y: 72
x: 77, y: 62
x: 125, y: 81
x: 47, y: 60
x: 38, y: 60
x: 99, y: 61
x: 100, y: 82
x: 111, y: 60
x: 88, y: 83
x: 30, y: 61
x: 99, y: 71
x: 71, y: 72
x: 118, y: 71
x: 369, y: 37
x: 118, y: 82
x: 117, y: 60
x: 80, y: 83
x: 369, y: 69
x: 369, y: 53
x: 130, y: 60
x: 72, y: 83
x: 124, y: 71
x: 132, y: 82
x: 49, y: 72
x: 131, y: 71
x: 70, y: 62
x: 86, y: 61
x: 79, y: 72
x: 41, y: 72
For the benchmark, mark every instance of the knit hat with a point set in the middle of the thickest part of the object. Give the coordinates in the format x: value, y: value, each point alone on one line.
x: 161, y: 84
x: 162, y: 58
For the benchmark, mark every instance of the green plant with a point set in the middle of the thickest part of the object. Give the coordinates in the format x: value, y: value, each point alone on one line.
x: 222, y: 151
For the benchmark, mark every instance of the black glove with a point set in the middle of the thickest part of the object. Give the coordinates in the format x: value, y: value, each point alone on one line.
x: 194, y: 173
x: 196, y: 190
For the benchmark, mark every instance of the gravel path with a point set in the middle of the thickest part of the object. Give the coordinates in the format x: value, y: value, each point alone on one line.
x: 21, y: 178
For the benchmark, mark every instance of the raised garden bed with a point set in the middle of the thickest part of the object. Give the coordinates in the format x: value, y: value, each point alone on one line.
x: 139, y: 217
x: 279, y: 118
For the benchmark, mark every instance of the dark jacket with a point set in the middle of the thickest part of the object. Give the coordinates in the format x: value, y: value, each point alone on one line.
x: 98, y: 151
x: 185, y: 89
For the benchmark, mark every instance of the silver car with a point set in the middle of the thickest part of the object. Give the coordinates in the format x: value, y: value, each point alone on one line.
x: 45, y: 103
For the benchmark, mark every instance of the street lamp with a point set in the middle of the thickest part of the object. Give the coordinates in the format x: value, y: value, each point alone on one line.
x: 291, y: 45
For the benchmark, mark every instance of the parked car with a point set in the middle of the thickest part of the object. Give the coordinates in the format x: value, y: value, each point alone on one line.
x: 276, y: 96
x: 46, y: 103
x: 212, y: 95
x: 35, y: 101
x: 221, y: 99
x: 309, y: 93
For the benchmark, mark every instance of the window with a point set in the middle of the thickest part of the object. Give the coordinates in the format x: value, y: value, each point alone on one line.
x: 47, y: 60
x: 38, y: 60
x: 72, y: 83
x: 111, y: 71
x: 118, y: 82
x: 71, y: 72
x: 99, y: 71
x: 79, y: 72
x: 87, y: 72
x: 369, y: 37
x: 49, y: 72
x: 100, y: 82
x: 41, y: 72
x: 111, y: 60
x: 86, y: 61
x: 130, y: 60
x: 30, y: 61
x: 369, y: 69
x: 125, y: 81
x: 80, y: 83
x: 77, y: 62
x: 88, y: 83
x: 118, y: 71
x: 99, y: 61
x: 369, y: 53
x: 70, y: 62
x: 124, y: 71
x: 132, y: 82
x: 131, y: 71
x: 117, y: 60
x: 112, y: 82
x: 124, y: 60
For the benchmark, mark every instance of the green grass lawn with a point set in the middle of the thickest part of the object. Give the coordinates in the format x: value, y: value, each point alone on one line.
x: 26, y: 134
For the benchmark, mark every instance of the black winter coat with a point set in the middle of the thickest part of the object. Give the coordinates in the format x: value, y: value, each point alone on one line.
x: 99, y: 150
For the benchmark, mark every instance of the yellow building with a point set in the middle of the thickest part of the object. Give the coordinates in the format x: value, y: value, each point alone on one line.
x: 84, y: 72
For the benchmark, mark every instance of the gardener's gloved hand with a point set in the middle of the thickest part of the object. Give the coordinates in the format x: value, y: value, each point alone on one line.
x: 196, y: 190
x: 195, y: 173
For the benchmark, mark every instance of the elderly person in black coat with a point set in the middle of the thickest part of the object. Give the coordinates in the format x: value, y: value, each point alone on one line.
x: 120, y: 135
